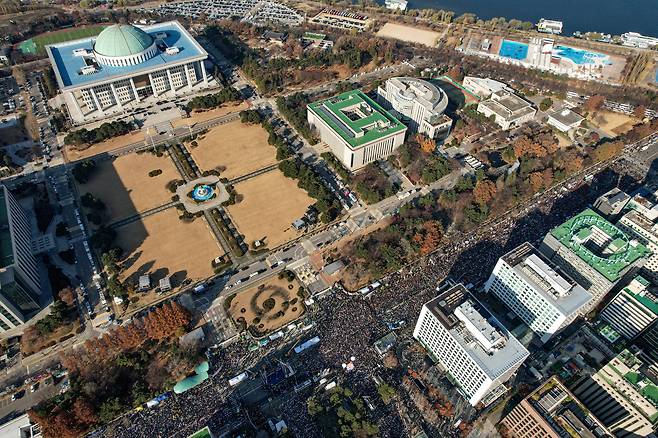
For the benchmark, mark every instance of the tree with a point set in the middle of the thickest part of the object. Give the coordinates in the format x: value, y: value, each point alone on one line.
x: 67, y: 296
x: 110, y: 409
x: 546, y: 104
x: 608, y: 150
x: 640, y: 111
x: 484, y: 192
x: 386, y: 392
x: 536, y: 181
x: 84, y: 411
x: 427, y: 144
x: 456, y: 73
x: 594, y: 102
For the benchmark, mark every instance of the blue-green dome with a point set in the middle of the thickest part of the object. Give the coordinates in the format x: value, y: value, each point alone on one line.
x: 122, y: 40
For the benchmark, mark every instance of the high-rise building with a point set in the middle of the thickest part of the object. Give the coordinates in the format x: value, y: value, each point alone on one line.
x: 477, y: 351
x: 19, y: 276
x: 536, y: 290
x: 356, y: 128
x: 633, y: 309
x: 552, y: 411
x: 417, y: 103
x: 593, y: 252
x: 641, y: 222
x: 622, y: 395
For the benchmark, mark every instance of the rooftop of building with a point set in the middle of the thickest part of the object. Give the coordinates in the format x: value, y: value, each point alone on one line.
x: 559, y: 408
x: 628, y: 367
x: 547, y: 278
x: 6, y: 246
x: 423, y: 92
x: 565, y: 116
x: 67, y: 62
x: 479, y: 333
x: 508, y: 105
x: 356, y: 118
x: 600, y: 244
x: 638, y: 288
x: 122, y: 40
x: 490, y: 84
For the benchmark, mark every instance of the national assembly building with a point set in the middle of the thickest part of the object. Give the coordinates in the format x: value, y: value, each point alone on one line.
x: 126, y: 64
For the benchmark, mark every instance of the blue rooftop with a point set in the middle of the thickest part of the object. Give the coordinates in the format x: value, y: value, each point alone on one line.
x: 68, y: 66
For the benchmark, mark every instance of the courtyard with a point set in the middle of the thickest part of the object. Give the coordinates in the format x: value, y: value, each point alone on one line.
x: 234, y: 149
x: 267, y: 205
x: 163, y: 245
x: 124, y: 185
x: 266, y: 307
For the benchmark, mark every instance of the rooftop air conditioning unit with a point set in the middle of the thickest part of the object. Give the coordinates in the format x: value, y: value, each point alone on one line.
x: 90, y: 69
x: 172, y: 50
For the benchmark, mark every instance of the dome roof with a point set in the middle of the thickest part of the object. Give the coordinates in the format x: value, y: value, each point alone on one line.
x: 122, y: 40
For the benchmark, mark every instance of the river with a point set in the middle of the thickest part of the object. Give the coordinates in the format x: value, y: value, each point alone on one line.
x: 606, y: 16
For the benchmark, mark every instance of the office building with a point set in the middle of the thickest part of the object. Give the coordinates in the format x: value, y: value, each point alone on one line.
x: 641, y: 222
x: 633, y: 309
x: 20, y: 285
x: 549, y: 26
x: 477, y: 351
x: 593, y: 252
x: 356, y: 128
x: 418, y: 104
x: 552, y: 411
x: 508, y: 109
x: 20, y: 427
x: 124, y: 65
x: 536, y: 290
x: 622, y: 395
x: 564, y: 119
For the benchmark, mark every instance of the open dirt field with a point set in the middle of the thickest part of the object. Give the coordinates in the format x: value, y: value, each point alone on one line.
x: 270, y: 203
x: 268, y: 306
x: 162, y: 245
x: 125, y: 187
x: 72, y: 153
x: 409, y: 34
x: 234, y: 149
x: 612, y: 123
x: 202, y: 116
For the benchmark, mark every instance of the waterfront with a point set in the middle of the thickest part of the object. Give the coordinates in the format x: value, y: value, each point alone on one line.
x: 609, y: 16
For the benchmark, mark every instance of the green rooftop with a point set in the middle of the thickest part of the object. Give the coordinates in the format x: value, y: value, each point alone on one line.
x: 203, y: 433
x: 6, y: 248
x: 356, y: 118
x: 578, y: 234
x: 646, y: 301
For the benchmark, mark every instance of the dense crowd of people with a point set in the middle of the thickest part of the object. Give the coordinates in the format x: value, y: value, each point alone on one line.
x: 349, y: 325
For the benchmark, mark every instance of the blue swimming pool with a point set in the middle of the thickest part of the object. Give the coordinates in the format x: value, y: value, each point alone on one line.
x: 579, y: 56
x: 514, y: 50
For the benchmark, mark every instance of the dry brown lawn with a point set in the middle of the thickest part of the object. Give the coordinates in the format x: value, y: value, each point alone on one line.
x: 74, y: 153
x: 269, y: 204
x: 234, y: 149
x: 612, y: 123
x: 409, y: 34
x: 162, y: 245
x: 125, y: 187
x: 202, y: 116
x: 265, y: 317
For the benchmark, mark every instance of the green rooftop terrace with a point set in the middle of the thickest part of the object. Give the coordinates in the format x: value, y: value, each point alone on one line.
x: 578, y: 232
x: 6, y: 249
x: 356, y: 118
